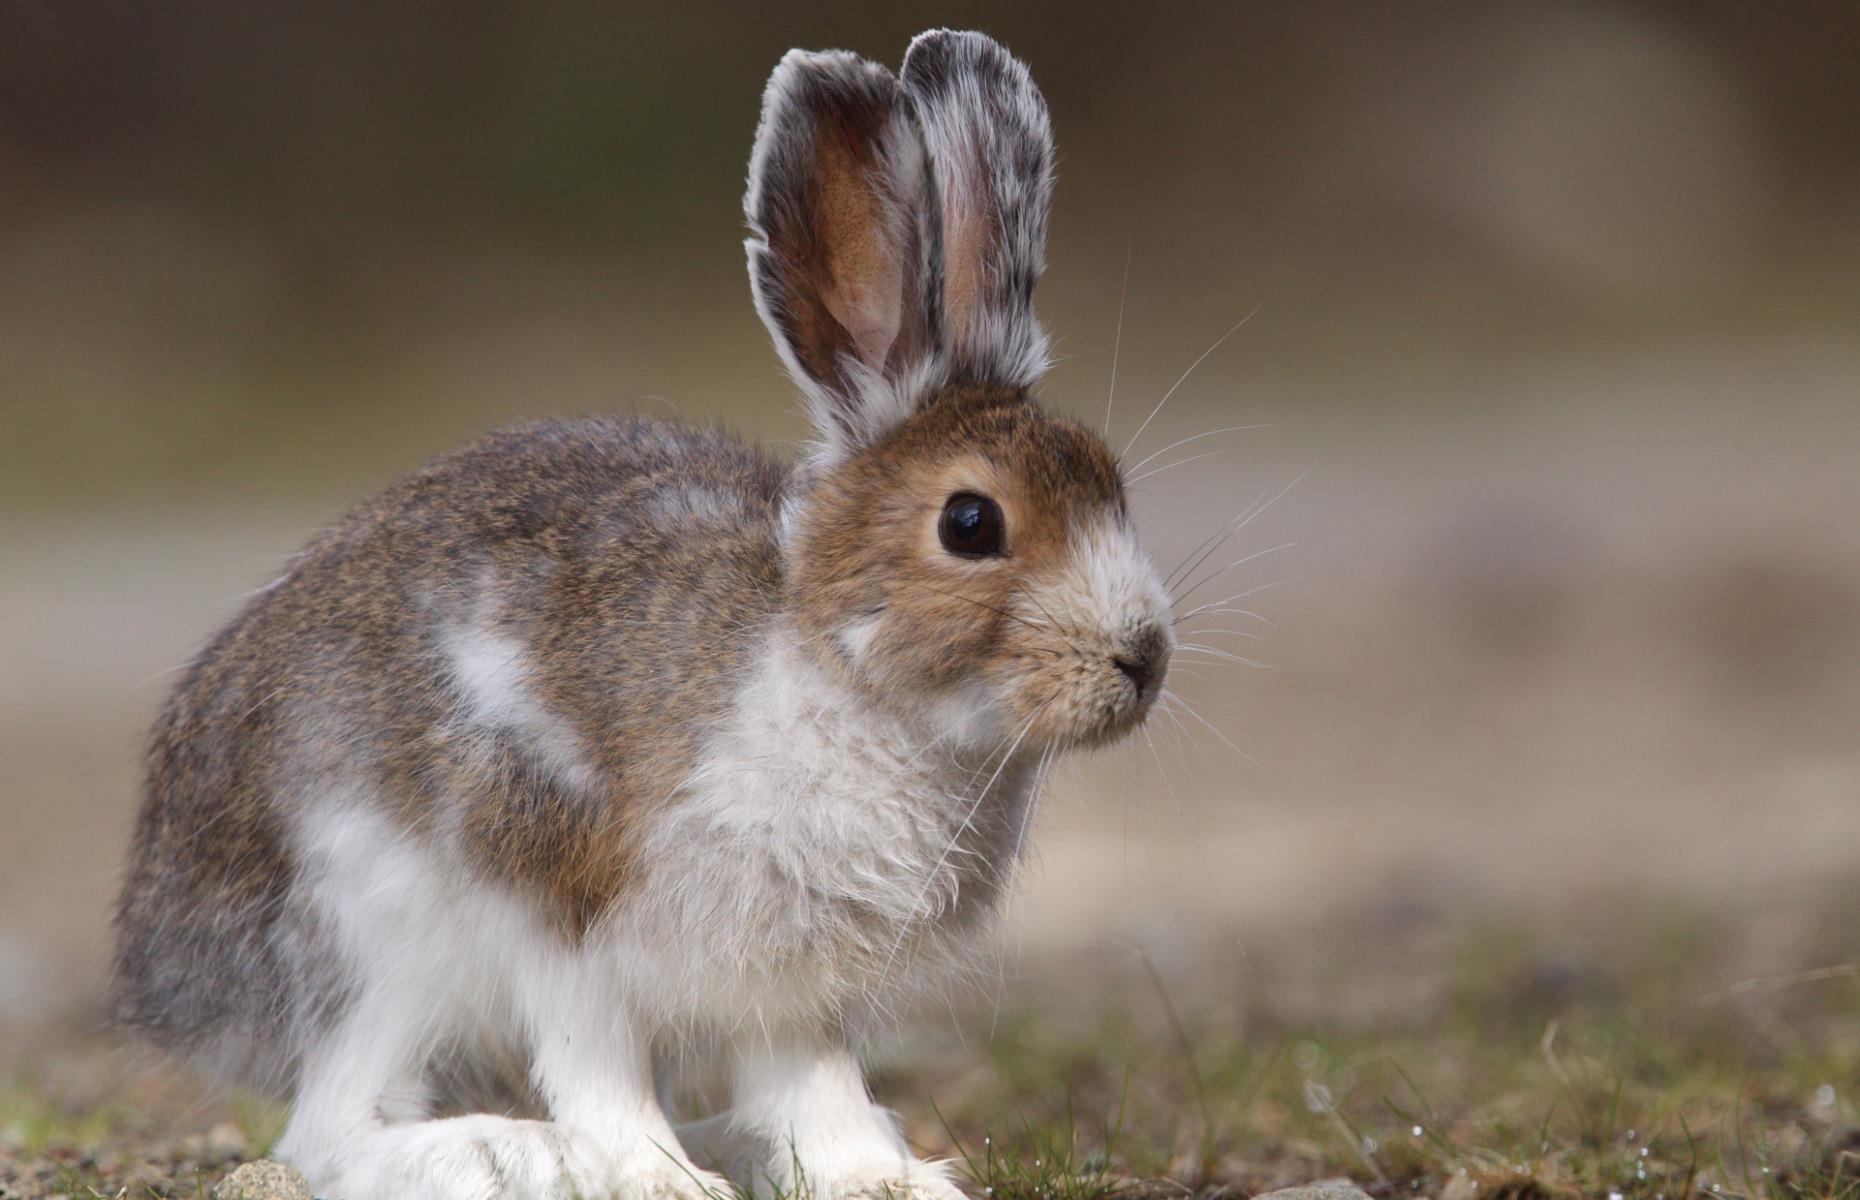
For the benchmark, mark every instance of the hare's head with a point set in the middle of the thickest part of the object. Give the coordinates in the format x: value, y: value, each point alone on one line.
x: 957, y: 550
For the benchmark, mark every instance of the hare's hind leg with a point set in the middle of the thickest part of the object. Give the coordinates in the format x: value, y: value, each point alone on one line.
x: 421, y: 961
x: 360, y: 1126
x: 361, y: 1129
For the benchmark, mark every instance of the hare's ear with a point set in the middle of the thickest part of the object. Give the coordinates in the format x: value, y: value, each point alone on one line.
x: 991, y: 149
x: 843, y: 255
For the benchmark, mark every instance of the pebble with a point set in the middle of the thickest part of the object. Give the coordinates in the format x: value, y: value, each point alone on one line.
x: 263, y: 1180
x: 1325, y: 1189
x: 218, y: 1144
x: 1460, y: 1187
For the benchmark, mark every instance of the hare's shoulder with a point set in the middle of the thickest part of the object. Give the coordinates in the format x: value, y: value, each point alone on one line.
x: 565, y: 612
x: 566, y: 484
x: 552, y: 524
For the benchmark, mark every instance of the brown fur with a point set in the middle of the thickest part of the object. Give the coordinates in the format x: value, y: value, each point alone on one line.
x: 637, y: 616
x: 870, y: 542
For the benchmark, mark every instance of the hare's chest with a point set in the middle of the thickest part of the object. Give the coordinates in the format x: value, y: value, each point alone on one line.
x: 832, y: 834
x: 820, y: 853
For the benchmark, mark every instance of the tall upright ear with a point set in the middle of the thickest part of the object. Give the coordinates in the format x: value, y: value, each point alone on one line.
x: 991, y: 148
x: 843, y: 254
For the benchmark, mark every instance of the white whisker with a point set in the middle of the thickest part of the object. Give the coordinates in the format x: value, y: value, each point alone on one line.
x: 1236, y: 612
x: 1223, y: 655
x: 1117, y: 341
x: 1135, y: 480
x: 1245, y: 517
x: 1128, y: 446
x: 1138, y: 465
x: 1239, y: 633
x: 1238, y: 562
x: 1214, y: 541
x: 1189, y: 708
x: 1211, y: 605
x: 956, y: 837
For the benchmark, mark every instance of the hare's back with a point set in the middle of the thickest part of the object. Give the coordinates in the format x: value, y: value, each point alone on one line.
x: 584, y: 598
x: 512, y: 655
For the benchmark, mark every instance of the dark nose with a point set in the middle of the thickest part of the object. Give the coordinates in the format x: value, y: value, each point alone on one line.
x: 1143, y: 657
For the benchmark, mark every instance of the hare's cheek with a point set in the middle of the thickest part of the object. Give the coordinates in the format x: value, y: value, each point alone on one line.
x: 972, y: 712
x: 932, y: 662
x: 856, y: 636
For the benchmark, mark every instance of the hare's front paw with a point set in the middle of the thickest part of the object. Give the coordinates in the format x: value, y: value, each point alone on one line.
x: 918, y: 1181
x: 667, y: 1180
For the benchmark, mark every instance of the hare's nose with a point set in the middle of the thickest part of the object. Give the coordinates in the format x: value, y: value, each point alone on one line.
x: 1143, y: 659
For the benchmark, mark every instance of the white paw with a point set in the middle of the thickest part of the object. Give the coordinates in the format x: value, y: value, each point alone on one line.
x: 667, y: 1180
x: 917, y: 1181
x: 463, y: 1158
x: 878, y: 1169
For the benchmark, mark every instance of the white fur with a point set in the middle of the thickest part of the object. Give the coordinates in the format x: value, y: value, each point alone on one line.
x: 433, y: 957
x: 490, y: 670
x: 1109, y: 586
x: 969, y: 714
x: 855, y: 637
x: 815, y: 868
x: 858, y: 820
x: 804, y: 1122
x: 671, y: 507
x: 880, y: 402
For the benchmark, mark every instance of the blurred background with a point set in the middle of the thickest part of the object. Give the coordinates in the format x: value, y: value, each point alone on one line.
x: 1555, y: 335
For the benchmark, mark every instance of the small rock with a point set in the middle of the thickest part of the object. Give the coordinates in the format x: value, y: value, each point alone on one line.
x: 1460, y: 1187
x: 225, y: 1141
x: 1324, y: 1189
x: 263, y: 1180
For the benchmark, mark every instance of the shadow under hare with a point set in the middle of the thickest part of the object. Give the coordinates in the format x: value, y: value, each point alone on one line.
x: 609, y: 738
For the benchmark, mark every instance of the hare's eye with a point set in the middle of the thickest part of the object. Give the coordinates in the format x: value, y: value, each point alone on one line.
x: 971, y: 526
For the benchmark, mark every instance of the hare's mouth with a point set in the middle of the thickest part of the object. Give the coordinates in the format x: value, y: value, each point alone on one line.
x: 1101, y: 701
x: 1134, y: 710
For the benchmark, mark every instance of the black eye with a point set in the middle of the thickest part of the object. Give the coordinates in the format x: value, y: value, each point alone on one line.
x: 971, y: 526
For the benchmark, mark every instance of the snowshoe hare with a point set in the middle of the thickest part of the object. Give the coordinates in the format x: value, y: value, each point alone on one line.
x: 610, y: 737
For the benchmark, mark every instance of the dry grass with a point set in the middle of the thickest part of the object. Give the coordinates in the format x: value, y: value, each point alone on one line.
x: 1638, y: 1070
x: 1628, y: 1074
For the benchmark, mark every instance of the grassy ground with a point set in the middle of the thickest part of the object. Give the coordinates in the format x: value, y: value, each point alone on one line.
x: 1643, y: 1066
x: 1639, y: 1071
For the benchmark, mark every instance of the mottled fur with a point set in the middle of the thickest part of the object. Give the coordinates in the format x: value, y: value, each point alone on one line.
x: 631, y: 604
x: 602, y: 736
x: 991, y: 145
